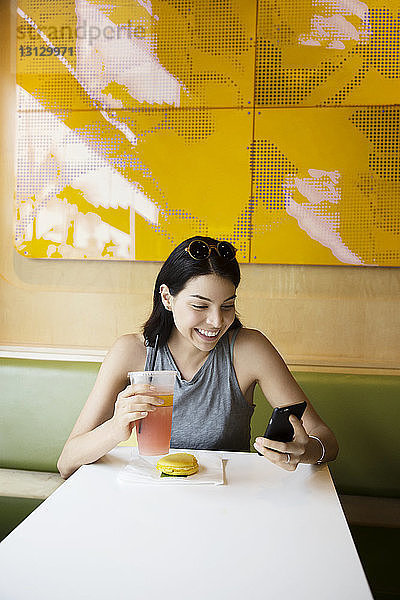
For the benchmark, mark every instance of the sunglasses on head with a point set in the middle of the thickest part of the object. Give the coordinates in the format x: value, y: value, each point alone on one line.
x: 200, y: 250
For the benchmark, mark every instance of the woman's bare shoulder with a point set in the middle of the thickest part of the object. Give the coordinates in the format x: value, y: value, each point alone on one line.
x: 128, y: 351
x: 129, y: 341
x: 255, y: 350
x: 254, y: 338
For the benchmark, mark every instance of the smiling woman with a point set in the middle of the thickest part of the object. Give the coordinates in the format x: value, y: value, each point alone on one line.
x: 203, y: 311
x: 180, y: 268
x: 218, y: 363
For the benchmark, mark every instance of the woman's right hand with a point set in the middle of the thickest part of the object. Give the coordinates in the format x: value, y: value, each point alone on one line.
x: 132, y: 404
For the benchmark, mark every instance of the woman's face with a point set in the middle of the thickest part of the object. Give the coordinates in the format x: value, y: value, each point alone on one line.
x: 204, y: 310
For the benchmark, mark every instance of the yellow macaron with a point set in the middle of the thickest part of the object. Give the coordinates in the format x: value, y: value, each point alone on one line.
x: 178, y: 464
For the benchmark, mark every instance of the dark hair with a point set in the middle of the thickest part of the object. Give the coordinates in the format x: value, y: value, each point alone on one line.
x: 177, y: 270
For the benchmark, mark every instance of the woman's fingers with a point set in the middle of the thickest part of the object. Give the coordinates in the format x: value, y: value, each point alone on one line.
x: 285, y: 460
x: 134, y: 403
x: 138, y: 403
x: 300, y: 434
x: 128, y: 411
x: 130, y: 417
x: 142, y: 390
x: 285, y: 454
x: 281, y: 447
x: 137, y: 389
x: 129, y: 397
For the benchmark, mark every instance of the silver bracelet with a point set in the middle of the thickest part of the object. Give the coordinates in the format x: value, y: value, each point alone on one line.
x: 319, y: 461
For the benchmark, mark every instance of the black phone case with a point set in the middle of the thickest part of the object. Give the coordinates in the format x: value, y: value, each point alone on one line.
x: 279, y: 427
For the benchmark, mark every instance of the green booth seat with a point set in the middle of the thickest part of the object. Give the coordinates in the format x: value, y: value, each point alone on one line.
x: 40, y: 402
x: 13, y: 511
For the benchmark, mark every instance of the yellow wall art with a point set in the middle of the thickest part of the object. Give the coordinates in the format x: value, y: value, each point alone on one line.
x: 274, y: 125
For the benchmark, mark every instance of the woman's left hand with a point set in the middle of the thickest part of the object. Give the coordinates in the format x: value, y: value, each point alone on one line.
x: 287, y: 454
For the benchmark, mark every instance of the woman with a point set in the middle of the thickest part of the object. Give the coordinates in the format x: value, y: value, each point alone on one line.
x: 218, y: 361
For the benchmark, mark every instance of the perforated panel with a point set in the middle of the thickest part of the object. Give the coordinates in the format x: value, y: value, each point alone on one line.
x: 327, y: 52
x: 326, y: 185
x: 187, y: 53
x: 271, y: 124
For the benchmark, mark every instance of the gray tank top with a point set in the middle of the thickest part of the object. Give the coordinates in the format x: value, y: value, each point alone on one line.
x: 210, y: 411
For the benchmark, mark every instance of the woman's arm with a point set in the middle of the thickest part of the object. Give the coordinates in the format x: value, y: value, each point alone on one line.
x: 258, y: 360
x: 110, y: 410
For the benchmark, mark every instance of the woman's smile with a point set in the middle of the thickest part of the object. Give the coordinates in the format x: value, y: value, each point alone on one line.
x: 206, y: 333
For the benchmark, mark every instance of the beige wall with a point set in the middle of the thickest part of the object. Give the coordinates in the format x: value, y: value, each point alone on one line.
x: 314, y: 315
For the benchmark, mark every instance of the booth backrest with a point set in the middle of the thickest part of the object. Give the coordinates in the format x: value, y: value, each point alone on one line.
x: 41, y: 399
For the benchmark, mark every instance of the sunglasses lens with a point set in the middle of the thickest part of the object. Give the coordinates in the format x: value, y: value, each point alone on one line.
x: 226, y: 250
x: 199, y: 250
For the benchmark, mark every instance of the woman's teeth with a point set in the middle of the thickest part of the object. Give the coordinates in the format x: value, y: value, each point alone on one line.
x: 210, y: 334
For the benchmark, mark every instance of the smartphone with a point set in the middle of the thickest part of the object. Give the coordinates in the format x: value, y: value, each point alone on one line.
x: 279, y: 427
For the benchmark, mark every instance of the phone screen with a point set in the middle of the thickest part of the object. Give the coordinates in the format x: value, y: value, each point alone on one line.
x: 279, y: 427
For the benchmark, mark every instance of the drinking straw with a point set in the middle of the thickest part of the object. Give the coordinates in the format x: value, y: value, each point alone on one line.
x: 152, y: 364
x: 153, y: 360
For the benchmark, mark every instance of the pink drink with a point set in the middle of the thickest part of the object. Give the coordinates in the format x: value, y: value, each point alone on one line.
x: 154, y: 431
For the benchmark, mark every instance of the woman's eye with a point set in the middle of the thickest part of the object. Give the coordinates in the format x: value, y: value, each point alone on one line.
x: 199, y: 307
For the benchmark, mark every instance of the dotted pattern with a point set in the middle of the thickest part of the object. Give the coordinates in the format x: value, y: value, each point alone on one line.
x: 192, y: 125
x: 295, y: 51
x: 205, y: 32
x: 381, y: 187
x: 356, y: 214
x: 269, y: 169
x: 189, y: 38
x: 303, y: 46
x: 381, y: 53
x: 199, y: 226
x: 382, y: 211
x: 205, y: 21
x: 275, y: 86
x: 381, y: 125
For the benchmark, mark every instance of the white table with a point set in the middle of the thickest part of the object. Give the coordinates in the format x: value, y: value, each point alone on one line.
x: 266, y: 533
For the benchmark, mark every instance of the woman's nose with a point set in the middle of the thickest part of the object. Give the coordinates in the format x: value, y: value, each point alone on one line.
x: 214, y: 318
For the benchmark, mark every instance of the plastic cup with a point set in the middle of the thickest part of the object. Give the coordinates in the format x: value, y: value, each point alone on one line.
x: 154, y: 431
